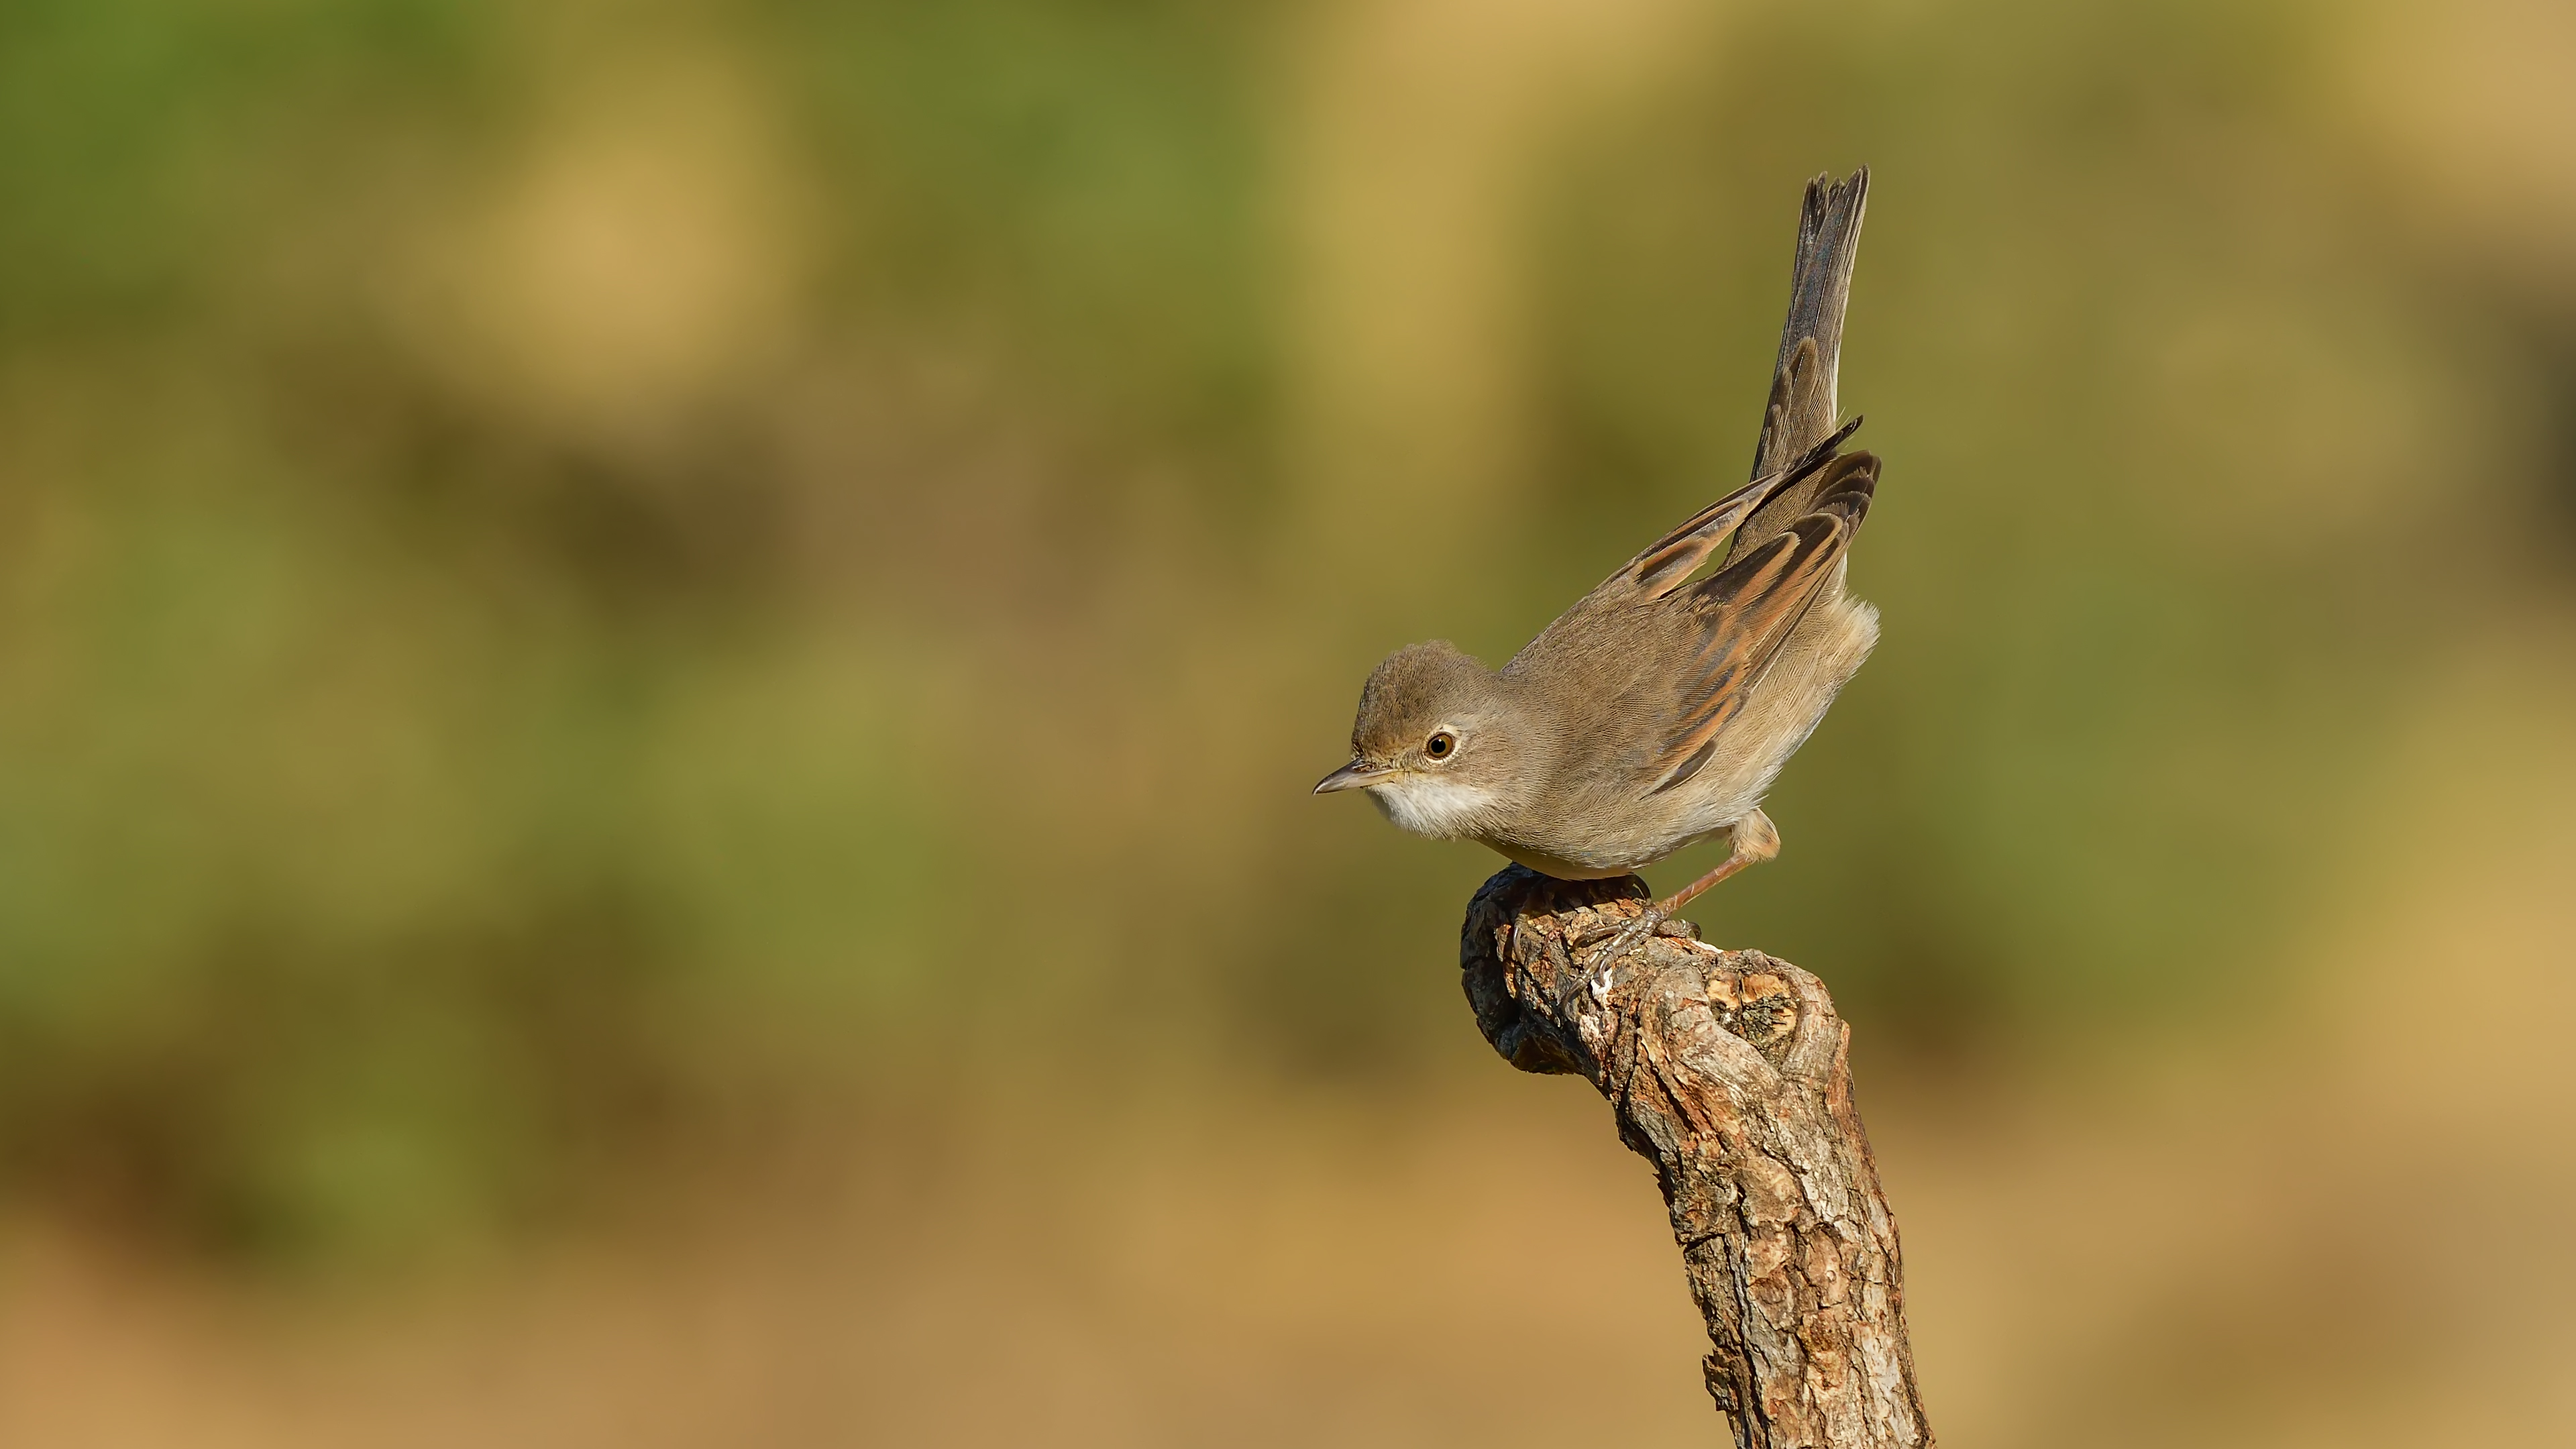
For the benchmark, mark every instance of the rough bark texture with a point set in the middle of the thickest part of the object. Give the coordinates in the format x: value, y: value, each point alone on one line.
x: 1727, y: 1070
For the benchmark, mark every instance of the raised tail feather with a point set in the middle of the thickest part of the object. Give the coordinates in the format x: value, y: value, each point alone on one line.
x: 1801, y: 411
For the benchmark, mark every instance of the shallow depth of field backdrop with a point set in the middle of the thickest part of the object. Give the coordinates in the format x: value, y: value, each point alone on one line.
x: 659, y: 664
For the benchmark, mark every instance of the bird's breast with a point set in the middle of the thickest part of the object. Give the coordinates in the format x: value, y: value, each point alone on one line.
x: 1554, y: 865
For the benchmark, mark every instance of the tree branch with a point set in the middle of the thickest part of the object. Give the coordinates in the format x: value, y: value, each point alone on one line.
x: 1727, y: 1070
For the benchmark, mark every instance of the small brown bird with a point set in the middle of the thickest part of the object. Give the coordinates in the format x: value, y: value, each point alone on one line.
x: 1656, y: 712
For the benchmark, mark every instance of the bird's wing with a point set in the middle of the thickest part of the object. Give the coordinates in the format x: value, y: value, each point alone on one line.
x: 1665, y: 563
x: 1744, y: 612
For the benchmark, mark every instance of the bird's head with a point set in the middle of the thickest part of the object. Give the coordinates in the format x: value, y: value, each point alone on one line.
x: 1439, y: 744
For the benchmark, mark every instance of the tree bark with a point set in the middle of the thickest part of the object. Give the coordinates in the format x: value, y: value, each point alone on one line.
x: 1728, y: 1070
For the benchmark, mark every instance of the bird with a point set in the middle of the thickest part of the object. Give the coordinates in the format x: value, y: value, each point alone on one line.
x: 1656, y: 712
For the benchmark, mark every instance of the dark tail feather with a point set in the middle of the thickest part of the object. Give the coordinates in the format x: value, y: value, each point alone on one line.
x: 1801, y: 411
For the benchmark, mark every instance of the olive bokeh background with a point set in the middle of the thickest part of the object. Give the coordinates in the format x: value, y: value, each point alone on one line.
x: 659, y: 663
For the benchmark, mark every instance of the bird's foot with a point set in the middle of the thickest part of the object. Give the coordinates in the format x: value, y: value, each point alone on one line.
x: 1756, y: 839
x: 1598, y: 975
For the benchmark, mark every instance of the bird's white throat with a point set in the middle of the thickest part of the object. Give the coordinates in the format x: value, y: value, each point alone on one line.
x: 1427, y: 805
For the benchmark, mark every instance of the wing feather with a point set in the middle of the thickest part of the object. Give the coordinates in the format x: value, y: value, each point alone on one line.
x: 1673, y: 558
x: 1747, y: 610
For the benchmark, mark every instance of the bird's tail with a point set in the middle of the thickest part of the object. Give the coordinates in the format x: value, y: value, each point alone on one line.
x: 1801, y: 412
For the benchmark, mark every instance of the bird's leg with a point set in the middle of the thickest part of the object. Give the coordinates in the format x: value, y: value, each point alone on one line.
x: 1756, y: 840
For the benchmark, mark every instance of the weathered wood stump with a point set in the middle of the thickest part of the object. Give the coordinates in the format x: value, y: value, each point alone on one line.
x: 1727, y: 1070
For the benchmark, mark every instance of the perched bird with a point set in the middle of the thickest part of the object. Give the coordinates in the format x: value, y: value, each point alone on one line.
x: 1656, y: 712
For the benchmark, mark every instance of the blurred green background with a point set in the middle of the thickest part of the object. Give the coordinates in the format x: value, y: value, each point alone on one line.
x: 687, y: 639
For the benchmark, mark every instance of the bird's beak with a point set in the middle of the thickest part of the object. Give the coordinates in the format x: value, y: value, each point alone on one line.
x: 1357, y: 775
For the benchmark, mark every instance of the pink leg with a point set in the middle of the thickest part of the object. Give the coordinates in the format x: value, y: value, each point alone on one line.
x: 1756, y: 840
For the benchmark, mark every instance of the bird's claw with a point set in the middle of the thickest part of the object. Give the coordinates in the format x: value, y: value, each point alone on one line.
x: 1630, y: 937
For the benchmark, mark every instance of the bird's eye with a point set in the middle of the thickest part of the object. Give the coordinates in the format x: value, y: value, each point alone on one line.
x: 1439, y: 746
